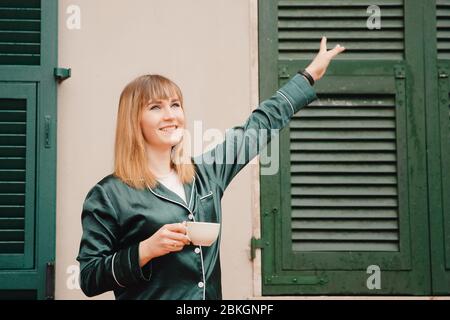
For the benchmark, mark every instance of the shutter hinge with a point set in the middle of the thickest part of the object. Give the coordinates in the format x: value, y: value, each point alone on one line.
x: 62, y: 74
x: 256, y: 244
x: 50, y: 281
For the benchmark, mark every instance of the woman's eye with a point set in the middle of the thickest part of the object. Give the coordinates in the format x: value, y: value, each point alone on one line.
x: 155, y: 107
x: 175, y: 105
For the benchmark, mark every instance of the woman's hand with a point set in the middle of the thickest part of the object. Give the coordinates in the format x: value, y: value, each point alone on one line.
x: 169, y: 238
x: 319, y: 65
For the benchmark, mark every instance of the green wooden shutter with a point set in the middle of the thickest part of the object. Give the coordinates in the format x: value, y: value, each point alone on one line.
x: 28, y: 35
x: 438, y: 144
x: 352, y: 178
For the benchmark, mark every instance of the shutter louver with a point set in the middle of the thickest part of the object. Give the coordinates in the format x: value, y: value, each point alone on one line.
x: 443, y: 28
x: 20, y: 32
x: 344, y: 176
x: 12, y: 174
x: 302, y: 23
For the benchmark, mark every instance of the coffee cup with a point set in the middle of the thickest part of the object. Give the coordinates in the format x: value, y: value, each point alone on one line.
x: 202, y: 233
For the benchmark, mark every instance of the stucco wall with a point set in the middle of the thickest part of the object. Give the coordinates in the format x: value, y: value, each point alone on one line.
x: 207, y: 47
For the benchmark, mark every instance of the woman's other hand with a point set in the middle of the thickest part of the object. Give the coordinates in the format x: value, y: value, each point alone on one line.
x: 319, y: 65
x: 169, y: 238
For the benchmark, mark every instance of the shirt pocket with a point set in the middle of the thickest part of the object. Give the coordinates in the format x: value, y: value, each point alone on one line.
x: 207, y: 210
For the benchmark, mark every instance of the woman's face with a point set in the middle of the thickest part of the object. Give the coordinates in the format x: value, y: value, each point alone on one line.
x: 162, y: 123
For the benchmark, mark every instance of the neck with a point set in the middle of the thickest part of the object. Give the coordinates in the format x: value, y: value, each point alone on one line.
x: 158, y: 160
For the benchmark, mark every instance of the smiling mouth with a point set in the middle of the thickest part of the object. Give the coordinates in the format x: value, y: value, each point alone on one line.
x: 169, y: 128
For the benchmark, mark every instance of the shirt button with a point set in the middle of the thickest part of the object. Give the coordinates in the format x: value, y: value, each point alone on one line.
x: 197, y: 250
x: 200, y: 284
x: 190, y: 217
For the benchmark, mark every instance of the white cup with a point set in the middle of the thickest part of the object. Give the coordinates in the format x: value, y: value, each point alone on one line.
x: 202, y: 233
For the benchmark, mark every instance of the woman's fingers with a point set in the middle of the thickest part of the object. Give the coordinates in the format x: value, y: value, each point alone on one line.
x: 323, y: 45
x: 177, y: 236
x: 176, y: 227
x: 334, y: 52
x: 173, y: 245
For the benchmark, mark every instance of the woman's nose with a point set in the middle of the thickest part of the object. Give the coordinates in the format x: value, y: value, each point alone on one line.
x: 168, y: 113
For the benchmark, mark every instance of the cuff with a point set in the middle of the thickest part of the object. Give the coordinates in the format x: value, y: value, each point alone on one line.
x: 125, y: 267
x: 299, y: 92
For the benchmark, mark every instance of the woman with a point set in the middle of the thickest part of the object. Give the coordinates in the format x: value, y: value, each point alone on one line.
x: 134, y: 236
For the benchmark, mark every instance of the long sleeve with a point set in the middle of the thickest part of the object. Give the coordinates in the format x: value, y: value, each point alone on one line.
x: 104, y: 266
x: 243, y: 143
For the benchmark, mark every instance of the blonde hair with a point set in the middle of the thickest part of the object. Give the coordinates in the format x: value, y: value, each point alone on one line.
x: 130, y: 157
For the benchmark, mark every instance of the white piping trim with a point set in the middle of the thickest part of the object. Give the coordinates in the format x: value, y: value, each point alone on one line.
x: 114, y: 275
x: 192, y: 193
x: 173, y: 201
x: 282, y: 94
x: 203, y: 272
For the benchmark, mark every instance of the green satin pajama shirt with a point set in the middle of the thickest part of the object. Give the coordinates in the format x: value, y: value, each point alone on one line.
x: 116, y: 217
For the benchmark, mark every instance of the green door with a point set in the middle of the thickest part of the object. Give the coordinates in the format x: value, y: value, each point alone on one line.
x: 27, y: 148
x: 351, y: 202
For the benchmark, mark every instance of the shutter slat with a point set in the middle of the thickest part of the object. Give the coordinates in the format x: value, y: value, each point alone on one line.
x: 11, y: 246
x: 351, y: 12
x: 11, y: 235
x: 340, y: 4
x: 355, y: 213
x: 12, y: 175
x: 12, y: 199
x: 347, y: 112
x: 12, y: 211
x: 344, y: 224
x: 349, y: 202
x: 12, y: 163
x: 12, y: 127
x: 311, y: 45
x: 346, y: 235
x: 13, y: 139
x: 341, y: 168
x: 354, y: 135
x: 333, y: 145
x: 336, y: 190
x: 19, y: 48
x: 12, y: 223
x: 392, y: 34
x: 367, y: 156
x: 12, y: 186
x: 378, y: 101
x: 345, y: 246
x: 348, y: 124
x: 20, y: 24
x: 344, y: 179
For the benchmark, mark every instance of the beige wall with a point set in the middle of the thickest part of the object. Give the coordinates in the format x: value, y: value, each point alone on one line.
x: 208, y: 48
